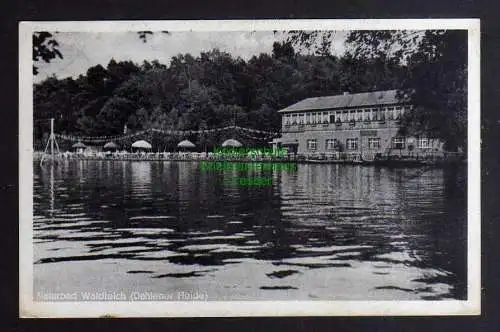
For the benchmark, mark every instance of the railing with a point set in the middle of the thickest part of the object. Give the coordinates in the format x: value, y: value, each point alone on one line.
x: 174, y: 156
x: 371, y: 156
x: 341, y: 125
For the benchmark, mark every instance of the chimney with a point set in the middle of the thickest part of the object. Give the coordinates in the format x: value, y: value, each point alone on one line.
x: 346, y: 93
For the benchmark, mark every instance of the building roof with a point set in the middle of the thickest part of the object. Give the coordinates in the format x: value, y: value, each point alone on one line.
x: 345, y: 101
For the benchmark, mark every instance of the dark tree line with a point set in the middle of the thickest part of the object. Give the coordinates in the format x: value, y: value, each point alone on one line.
x: 215, y: 89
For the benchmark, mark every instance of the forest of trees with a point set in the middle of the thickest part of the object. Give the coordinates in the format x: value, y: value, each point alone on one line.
x: 215, y: 89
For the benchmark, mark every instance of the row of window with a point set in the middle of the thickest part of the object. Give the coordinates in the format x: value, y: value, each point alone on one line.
x: 366, y: 114
x: 373, y: 143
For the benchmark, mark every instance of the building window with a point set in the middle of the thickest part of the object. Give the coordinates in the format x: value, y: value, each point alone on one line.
x: 301, y: 118
x: 331, y: 144
x: 294, y: 119
x: 367, y: 114
x: 325, y: 117
x: 312, y: 144
x: 345, y: 115
x: 398, y: 143
x: 381, y: 114
x: 374, y: 114
x: 352, y: 144
x: 352, y: 115
x: 397, y: 113
x: 423, y: 143
x: 286, y: 119
x: 373, y: 143
x: 390, y: 113
x: 360, y: 115
x: 338, y: 116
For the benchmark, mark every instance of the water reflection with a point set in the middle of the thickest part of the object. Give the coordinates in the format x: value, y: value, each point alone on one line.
x: 321, y: 232
x: 141, y: 179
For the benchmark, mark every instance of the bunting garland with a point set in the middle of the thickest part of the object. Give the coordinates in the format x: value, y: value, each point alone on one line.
x: 103, y: 139
x: 250, y: 136
x: 269, y: 133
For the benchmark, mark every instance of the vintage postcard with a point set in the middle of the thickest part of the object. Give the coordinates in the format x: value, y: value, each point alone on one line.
x: 249, y: 168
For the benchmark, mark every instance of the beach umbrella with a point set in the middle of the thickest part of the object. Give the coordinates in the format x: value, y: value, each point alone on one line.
x: 142, y: 145
x: 111, y: 146
x: 79, y: 145
x: 232, y: 143
x: 185, y: 144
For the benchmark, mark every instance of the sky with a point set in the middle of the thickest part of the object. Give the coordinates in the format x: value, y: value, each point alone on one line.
x: 82, y: 50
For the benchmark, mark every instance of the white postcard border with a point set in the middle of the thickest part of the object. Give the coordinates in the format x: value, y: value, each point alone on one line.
x: 30, y: 308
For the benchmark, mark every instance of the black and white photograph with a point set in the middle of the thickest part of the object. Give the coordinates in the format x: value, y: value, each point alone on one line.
x: 249, y: 168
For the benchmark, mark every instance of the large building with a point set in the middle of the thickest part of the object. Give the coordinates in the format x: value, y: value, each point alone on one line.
x: 364, y: 123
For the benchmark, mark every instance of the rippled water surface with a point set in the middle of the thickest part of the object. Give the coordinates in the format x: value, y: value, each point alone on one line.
x: 339, y: 232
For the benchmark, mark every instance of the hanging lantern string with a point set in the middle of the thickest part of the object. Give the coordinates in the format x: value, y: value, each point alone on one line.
x: 103, y: 139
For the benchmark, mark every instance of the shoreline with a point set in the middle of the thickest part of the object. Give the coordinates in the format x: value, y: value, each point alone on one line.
x: 348, y: 159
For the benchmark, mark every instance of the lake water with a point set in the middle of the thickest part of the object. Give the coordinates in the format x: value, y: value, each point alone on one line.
x: 317, y: 232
